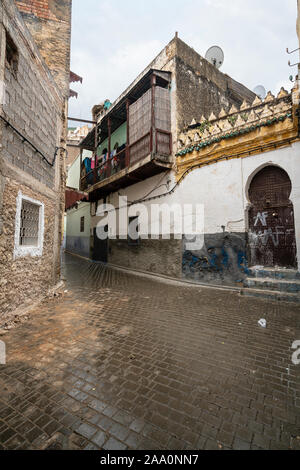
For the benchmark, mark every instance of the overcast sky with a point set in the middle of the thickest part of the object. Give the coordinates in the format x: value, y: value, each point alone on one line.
x: 114, y: 40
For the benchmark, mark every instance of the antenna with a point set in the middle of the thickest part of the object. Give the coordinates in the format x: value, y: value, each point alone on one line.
x: 215, y: 56
x: 260, y: 91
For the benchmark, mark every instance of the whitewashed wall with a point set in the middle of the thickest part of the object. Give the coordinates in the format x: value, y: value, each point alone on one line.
x: 222, y: 188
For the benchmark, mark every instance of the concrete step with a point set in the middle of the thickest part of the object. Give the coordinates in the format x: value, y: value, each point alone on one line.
x: 281, y: 285
x: 275, y: 273
x: 271, y: 295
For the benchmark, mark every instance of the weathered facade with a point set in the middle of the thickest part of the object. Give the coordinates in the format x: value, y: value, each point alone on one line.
x: 231, y: 153
x: 249, y: 160
x: 34, y: 73
x: 135, y: 139
x: 242, y: 167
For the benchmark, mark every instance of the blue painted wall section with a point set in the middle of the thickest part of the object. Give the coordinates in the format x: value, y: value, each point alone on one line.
x: 222, y: 260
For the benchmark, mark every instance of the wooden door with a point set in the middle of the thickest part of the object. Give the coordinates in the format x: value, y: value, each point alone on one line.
x: 271, y: 220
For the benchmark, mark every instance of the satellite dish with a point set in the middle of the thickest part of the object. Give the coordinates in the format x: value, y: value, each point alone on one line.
x: 260, y: 91
x: 215, y: 56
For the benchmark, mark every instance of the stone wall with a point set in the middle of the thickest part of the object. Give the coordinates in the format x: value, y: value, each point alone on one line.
x: 29, y: 275
x: 36, y: 107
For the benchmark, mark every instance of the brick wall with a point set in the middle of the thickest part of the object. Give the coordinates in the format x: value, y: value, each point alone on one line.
x: 39, y: 8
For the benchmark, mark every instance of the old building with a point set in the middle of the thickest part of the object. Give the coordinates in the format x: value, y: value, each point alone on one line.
x: 184, y: 133
x: 34, y: 74
x: 136, y: 142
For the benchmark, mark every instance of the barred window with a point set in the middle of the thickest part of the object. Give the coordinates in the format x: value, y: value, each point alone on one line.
x: 29, y: 227
x: 29, y: 224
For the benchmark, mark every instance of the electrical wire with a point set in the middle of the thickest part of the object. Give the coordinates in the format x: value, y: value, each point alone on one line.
x: 152, y: 190
x: 24, y: 139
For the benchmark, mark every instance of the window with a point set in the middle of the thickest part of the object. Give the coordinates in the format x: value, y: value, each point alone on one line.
x: 12, y: 55
x: 133, y: 231
x: 81, y: 224
x: 29, y: 227
x: 29, y: 224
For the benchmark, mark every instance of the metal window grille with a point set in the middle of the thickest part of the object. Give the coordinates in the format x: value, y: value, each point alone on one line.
x: 29, y: 224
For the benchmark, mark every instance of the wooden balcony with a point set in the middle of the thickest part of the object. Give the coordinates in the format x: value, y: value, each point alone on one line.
x: 146, y: 110
x: 133, y: 164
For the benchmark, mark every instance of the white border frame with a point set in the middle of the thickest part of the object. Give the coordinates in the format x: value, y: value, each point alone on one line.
x: 33, y: 251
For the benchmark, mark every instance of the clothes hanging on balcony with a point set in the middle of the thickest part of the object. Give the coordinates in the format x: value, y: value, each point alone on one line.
x: 93, y: 163
x: 87, y: 164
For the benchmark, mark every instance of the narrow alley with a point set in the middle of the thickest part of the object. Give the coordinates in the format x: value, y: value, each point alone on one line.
x: 118, y: 361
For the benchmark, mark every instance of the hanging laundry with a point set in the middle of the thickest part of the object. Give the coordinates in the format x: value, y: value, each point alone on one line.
x: 87, y: 164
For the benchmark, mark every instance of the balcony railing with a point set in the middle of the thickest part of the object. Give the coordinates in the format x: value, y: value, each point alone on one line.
x: 128, y: 157
x: 104, y: 170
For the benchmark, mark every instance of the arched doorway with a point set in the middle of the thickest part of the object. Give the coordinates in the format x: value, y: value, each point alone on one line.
x: 271, y: 219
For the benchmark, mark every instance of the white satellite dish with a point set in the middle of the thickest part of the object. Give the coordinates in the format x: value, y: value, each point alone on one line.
x: 260, y: 91
x: 215, y: 56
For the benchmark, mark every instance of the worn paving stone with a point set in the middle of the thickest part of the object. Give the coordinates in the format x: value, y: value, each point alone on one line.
x: 125, y: 362
x: 113, y: 444
x: 99, y: 438
x: 86, y: 430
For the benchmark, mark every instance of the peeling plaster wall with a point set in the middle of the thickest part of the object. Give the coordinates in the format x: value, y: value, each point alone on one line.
x: 222, y: 260
x: 223, y: 188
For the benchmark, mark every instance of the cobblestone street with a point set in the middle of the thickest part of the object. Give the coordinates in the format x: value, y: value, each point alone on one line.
x: 124, y: 362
